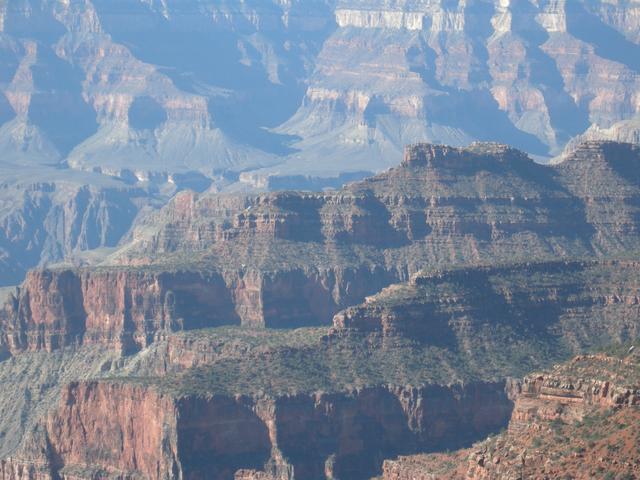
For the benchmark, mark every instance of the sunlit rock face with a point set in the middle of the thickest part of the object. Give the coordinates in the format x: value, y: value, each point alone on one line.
x: 312, y: 88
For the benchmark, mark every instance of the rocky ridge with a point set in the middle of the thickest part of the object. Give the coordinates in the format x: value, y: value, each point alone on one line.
x: 178, y: 314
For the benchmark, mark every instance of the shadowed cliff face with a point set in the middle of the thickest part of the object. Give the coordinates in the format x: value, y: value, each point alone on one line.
x: 130, y: 429
x: 46, y: 216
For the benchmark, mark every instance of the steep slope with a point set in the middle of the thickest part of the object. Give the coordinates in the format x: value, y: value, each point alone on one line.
x: 49, y: 215
x: 579, y: 419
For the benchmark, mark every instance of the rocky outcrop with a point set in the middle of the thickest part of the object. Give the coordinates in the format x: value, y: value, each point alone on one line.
x: 569, y: 399
x: 108, y: 427
x: 576, y: 301
x: 568, y: 392
x: 588, y: 404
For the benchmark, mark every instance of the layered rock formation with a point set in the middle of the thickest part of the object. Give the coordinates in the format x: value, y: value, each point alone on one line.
x: 287, y: 87
x: 254, y: 405
x: 578, y: 419
x: 464, y: 204
x: 47, y: 217
x: 581, y: 303
x: 531, y: 74
x: 124, y: 430
x: 296, y: 259
x: 457, y: 256
x: 278, y: 95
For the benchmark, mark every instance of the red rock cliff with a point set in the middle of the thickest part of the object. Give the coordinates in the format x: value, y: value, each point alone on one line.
x: 128, y: 308
x: 130, y: 429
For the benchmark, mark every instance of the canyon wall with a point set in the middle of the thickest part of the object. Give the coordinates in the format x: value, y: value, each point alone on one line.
x: 129, y: 308
x: 584, y: 302
x: 122, y: 309
x: 296, y: 259
x: 293, y: 88
x: 106, y: 427
x: 46, y: 219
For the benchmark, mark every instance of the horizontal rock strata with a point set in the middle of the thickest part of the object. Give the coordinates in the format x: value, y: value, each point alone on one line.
x: 296, y: 259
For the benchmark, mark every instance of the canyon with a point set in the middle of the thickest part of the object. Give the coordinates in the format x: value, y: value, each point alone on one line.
x: 305, y: 81
x: 290, y: 259
x: 419, y: 367
x: 313, y: 335
x: 292, y: 95
x: 319, y: 239
x: 46, y: 218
